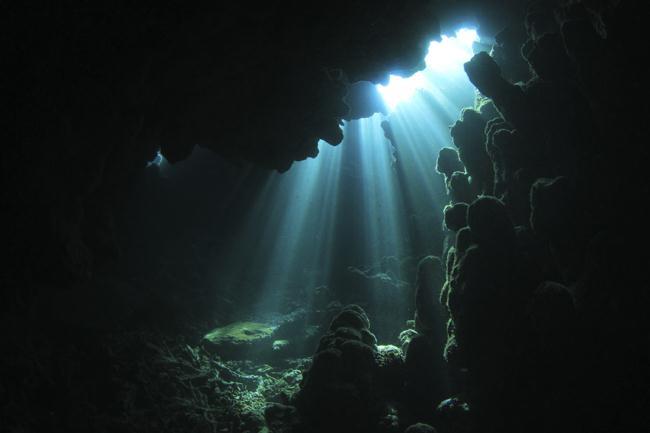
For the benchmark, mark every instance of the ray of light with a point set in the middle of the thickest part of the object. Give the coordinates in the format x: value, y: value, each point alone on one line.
x: 360, y: 201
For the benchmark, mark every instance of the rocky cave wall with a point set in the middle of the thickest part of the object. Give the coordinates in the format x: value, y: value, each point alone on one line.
x: 545, y: 319
x: 547, y: 324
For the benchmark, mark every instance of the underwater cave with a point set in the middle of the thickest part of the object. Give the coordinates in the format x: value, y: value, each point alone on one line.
x: 351, y: 216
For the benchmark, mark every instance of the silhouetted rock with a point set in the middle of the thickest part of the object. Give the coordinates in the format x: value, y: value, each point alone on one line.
x: 454, y: 416
x: 420, y: 428
x: 338, y: 391
x: 448, y: 162
x: 490, y: 224
x: 429, y: 280
x: 467, y: 135
x: 460, y: 188
x: 281, y: 418
x: 423, y: 385
x: 456, y: 216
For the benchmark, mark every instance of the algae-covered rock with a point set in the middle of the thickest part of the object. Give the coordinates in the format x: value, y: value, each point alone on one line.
x: 420, y: 428
x: 405, y: 338
x: 280, y: 345
x: 454, y: 415
x: 352, y: 316
x: 390, y: 372
x: 280, y: 418
x: 239, y: 339
x: 339, y: 392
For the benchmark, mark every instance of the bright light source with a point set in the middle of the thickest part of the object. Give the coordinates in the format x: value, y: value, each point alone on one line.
x: 400, y: 89
x: 445, y: 57
x: 467, y: 37
x: 449, y: 54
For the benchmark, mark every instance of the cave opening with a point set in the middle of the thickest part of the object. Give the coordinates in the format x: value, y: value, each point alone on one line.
x: 444, y: 68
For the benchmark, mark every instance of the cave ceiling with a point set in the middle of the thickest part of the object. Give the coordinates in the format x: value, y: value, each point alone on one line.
x: 258, y: 82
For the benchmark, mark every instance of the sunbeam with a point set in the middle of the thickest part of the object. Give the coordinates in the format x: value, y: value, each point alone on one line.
x: 340, y: 219
x: 316, y: 217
